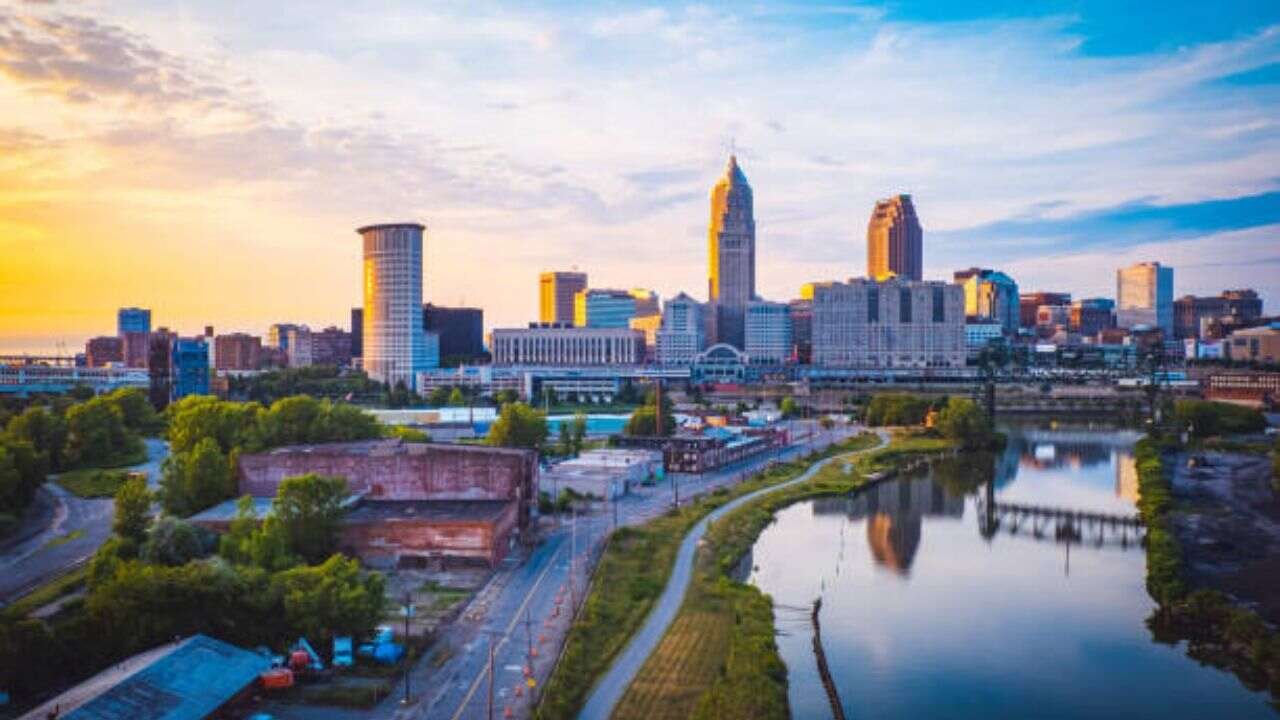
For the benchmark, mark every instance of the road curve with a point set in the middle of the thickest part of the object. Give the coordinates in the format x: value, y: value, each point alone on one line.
x: 606, y: 694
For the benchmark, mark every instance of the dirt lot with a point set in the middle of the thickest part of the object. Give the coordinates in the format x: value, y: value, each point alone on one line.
x: 1228, y: 522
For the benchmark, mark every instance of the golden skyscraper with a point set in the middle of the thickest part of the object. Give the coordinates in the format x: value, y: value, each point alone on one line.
x: 731, y: 249
x: 895, y: 243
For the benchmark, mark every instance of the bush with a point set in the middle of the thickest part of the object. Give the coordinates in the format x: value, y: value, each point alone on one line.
x: 173, y: 542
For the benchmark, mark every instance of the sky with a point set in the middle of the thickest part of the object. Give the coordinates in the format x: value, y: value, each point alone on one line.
x: 211, y: 161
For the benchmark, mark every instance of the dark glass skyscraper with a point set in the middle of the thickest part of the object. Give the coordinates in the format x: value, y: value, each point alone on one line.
x: 895, y: 242
x: 731, y: 246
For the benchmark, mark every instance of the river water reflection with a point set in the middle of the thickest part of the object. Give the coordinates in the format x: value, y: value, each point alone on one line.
x: 931, y: 609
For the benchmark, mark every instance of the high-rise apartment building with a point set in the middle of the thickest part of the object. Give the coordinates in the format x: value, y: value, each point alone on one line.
x: 599, y: 308
x: 731, y: 246
x: 102, y: 350
x: 556, y: 292
x: 133, y: 320
x: 768, y: 333
x: 567, y: 346
x: 894, y: 323
x: 461, y: 330
x: 990, y: 296
x: 895, y: 242
x: 682, y: 335
x: 237, y: 351
x: 1239, y: 307
x: 1144, y: 296
x: 297, y: 346
x: 394, y: 343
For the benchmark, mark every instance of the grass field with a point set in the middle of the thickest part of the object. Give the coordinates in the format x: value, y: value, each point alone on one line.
x: 92, y: 482
x: 629, y: 579
x: 46, y: 593
x: 719, y: 658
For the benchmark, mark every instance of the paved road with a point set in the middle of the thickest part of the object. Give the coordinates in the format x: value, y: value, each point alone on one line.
x: 87, y: 522
x: 533, y: 587
x: 609, y: 690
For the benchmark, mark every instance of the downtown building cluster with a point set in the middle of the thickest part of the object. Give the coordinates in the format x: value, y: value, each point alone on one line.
x: 889, y: 323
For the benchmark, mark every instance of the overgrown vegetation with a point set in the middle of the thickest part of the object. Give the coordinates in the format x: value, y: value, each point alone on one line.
x: 644, y: 421
x: 628, y: 580
x: 719, y: 659
x: 206, y: 435
x: 93, y: 482
x: 99, y: 432
x: 518, y: 426
x: 1218, y: 632
x: 1206, y: 418
x: 896, y: 409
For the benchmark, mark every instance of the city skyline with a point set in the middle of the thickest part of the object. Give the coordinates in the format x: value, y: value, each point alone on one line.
x: 123, y: 191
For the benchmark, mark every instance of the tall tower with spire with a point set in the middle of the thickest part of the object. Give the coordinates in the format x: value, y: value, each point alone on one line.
x: 731, y: 249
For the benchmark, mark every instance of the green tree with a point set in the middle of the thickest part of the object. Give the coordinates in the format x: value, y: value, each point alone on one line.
x: 96, y: 432
x: 309, y: 507
x: 333, y: 598
x: 172, y: 542
x: 439, y: 397
x: 578, y: 432
x: 965, y: 423
x: 236, y: 544
x: 399, y: 396
x: 230, y: 424
x: 45, y: 430
x: 788, y: 407
x: 507, y: 396
x: 565, y: 444
x: 269, y: 548
x: 139, y: 416
x: 195, y: 480
x: 133, y: 510
x: 896, y: 409
x: 518, y: 425
x: 22, y: 471
x: 644, y: 420
x: 457, y: 398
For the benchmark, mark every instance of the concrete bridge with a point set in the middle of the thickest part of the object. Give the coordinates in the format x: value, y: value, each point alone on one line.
x: 1110, y: 438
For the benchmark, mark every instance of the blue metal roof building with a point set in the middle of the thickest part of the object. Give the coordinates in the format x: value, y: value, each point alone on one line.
x: 190, y: 682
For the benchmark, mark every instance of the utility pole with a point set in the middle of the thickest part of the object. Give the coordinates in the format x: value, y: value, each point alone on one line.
x: 573, y: 559
x: 408, y: 613
x: 490, y: 707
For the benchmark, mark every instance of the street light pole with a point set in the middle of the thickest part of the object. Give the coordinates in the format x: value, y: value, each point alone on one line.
x: 408, y: 613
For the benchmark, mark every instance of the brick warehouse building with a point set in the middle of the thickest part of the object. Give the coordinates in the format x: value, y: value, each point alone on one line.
x: 412, y: 502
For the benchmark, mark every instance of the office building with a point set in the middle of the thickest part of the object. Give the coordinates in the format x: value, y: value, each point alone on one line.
x: 278, y: 334
x: 1092, y: 315
x: 1029, y: 305
x: 556, y: 292
x: 1256, y: 344
x: 189, y: 367
x: 237, y: 351
x: 895, y: 242
x: 1235, y: 307
x: 135, y: 348
x: 550, y: 345
x: 133, y: 320
x: 160, y: 367
x: 1053, y: 316
x: 357, y: 332
x: 649, y: 325
x: 100, y: 351
x: 978, y: 336
x: 802, y: 328
x: 647, y: 302
x: 599, y: 308
x: 1144, y: 296
x: 768, y: 333
x: 331, y: 346
x: 731, y: 243
x: 890, y: 324
x: 682, y: 335
x: 394, y: 345
x: 460, y: 329
x: 990, y: 296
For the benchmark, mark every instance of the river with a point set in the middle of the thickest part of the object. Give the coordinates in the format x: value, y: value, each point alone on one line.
x: 929, y: 610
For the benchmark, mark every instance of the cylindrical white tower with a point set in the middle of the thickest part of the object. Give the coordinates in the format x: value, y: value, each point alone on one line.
x: 394, y: 340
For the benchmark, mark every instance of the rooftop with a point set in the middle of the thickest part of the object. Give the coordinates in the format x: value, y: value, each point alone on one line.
x: 434, y: 510
x: 387, y: 447
x: 187, y: 680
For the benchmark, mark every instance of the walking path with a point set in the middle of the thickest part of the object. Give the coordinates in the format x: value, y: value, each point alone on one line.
x: 606, y: 694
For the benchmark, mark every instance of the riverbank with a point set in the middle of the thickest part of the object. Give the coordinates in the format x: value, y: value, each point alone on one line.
x: 1212, y: 536
x: 630, y: 577
x: 719, y: 658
